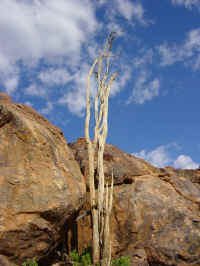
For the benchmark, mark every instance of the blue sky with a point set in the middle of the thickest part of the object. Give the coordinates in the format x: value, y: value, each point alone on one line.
x: 48, y: 46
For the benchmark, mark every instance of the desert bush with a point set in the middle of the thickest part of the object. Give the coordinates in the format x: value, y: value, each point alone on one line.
x: 81, y: 260
x: 122, y: 261
x: 30, y: 262
x: 85, y: 259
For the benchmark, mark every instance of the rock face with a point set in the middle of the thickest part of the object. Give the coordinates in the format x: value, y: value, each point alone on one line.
x: 156, y: 216
x: 4, y: 98
x: 124, y: 166
x: 41, y: 186
x: 43, y: 180
x: 192, y: 175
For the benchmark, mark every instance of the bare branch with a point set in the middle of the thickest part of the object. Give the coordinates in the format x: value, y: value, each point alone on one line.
x: 101, y: 215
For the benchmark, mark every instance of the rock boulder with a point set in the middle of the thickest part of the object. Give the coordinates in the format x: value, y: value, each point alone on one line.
x: 4, y: 98
x: 156, y: 216
x: 124, y: 166
x: 41, y: 186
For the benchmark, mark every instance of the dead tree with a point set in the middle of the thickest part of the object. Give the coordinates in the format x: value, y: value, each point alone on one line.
x: 100, y: 201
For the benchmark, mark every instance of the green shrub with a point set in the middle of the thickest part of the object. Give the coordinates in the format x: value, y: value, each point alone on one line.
x: 81, y: 260
x: 85, y: 259
x: 122, y: 261
x: 30, y: 262
x: 74, y: 256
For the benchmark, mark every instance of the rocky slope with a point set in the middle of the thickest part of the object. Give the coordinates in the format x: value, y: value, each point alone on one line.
x: 156, y: 216
x: 43, y: 184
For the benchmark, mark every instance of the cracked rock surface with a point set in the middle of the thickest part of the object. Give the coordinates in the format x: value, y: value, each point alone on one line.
x: 124, y: 166
x: 41, y: 186
x: 156, y: 215
x: 43, y: 180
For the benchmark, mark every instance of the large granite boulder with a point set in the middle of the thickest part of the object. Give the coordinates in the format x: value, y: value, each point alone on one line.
x: 124, y: 166
x: 192, y: 175
x: 156, y: 216
x: 41, y: 186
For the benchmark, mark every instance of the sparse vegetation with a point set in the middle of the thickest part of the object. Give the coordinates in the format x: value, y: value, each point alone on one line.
x: 30, y: 262
x: 122, y: 261
x: 81, y: 260
x: 85, y: 259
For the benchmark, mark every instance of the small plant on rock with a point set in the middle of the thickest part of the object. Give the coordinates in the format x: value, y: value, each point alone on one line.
x: 74, y: 256
x: 81, y: 260
x: 122, y: 261
x: 85, y: 259
x: 30, y: 262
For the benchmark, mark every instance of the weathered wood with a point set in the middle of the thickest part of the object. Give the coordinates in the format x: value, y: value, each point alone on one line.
x: 101, y: 204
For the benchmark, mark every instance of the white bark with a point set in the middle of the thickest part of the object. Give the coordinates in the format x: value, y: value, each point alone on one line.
x: 102, y: 205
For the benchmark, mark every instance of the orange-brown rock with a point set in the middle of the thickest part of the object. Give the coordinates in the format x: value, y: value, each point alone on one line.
x: 124, y: 166
x: 193, y: 175
x: 41, y: 186
x: 4, y: 261
x: 4, y: 98
x: 155, y: 218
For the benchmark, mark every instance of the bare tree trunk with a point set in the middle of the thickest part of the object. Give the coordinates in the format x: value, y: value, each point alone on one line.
x: 101, y: 205
x: 91, y: 152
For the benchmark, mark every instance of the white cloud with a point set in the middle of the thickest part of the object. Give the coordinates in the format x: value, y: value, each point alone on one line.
x: 114, y: 26
x: 187, y: 52
x: 187, y: 3
x: 75, y: 101
x: 121, y: 80
x: 47, y: 109
x: 75, y: 98
x: 196, y: 64
x: 58, y: 35
x: 45, y: 28
x: 144, y: 88
x: 11, y: 84
x: 143, y: 59
x: 175, y: 53
x: 162, y: 157
x: 129, y: 9
x: 168, y: 54
x: 35, y: 90
x: 54, y: 77
x: 101, y: 2
x: 193, y: 40
x: 34, y: 30
x: 159, y: 157
x: 185, y: 162
x: 9, y: 74
x: 29, y: 103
